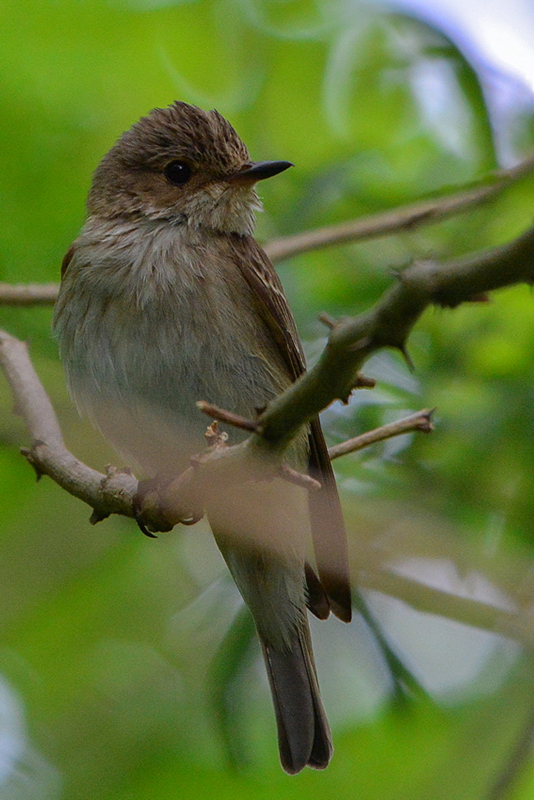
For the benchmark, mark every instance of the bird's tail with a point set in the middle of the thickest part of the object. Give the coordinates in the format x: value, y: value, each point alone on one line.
x: 261, y: 539
x: 304, y: 737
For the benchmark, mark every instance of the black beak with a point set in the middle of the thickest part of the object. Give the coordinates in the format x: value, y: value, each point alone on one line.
x: 259, y: 170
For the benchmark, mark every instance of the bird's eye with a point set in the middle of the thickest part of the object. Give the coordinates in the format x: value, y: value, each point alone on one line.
x: 178, y: 172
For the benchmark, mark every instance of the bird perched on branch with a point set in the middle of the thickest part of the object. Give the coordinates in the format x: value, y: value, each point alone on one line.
x: 166, y: 299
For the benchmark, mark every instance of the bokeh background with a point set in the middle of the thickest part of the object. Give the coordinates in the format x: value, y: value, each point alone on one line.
x: 128, y: 669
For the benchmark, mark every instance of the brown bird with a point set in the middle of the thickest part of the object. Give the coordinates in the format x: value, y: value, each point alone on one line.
x: 167, y: 299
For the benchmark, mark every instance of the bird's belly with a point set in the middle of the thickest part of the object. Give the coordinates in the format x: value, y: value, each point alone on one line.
x: 139, y: 377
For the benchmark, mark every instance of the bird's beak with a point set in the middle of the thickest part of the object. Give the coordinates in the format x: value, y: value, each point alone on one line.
x: 259, y: 170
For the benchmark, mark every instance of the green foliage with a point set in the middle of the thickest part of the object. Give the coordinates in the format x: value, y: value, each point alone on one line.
x: 109, y: 650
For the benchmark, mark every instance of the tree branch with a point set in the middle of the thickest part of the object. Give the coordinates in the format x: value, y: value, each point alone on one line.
x: 399, y: 219
x: 430, y: 600
x: 112, y: 493
x: 382, y: 224
x: 350, y: 343
x: 420, y: 421
x: 28, y: 294
x: 115, y: 492
x: 221, y: 415
x: 388, y: 324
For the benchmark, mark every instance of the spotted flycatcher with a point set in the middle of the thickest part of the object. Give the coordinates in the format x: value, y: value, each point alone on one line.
x: 167, y: 299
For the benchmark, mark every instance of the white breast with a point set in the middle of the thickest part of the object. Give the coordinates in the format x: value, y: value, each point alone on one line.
x: 151, y: 319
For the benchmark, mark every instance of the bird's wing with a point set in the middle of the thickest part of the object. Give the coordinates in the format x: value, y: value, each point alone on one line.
x: 328, y: 530
x: 67, y: 259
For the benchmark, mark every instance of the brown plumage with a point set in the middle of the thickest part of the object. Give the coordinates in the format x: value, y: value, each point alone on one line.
x: 167, y: 299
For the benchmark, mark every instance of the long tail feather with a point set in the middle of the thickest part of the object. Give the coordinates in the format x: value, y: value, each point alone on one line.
x: 304, y: 737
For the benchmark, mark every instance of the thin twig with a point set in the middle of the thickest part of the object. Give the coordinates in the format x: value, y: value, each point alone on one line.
x: 114, y: 493
x: 350, y: 343
x: 327, y: 320
x: 226, y: 416
x: 389, y: 323
x: 431, y: 600
x: 399, y: 219
x: 420, y: 421
x: 28, y: 294
x: 31, y: 401
x: 361, y: 381
x: 299, y: 479
x: 375, y: 225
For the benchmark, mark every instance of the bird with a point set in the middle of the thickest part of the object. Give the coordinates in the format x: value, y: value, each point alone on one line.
x: 166, y: 299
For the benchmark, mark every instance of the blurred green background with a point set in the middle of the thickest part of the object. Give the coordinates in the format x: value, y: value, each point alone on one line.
x: 127, y: 668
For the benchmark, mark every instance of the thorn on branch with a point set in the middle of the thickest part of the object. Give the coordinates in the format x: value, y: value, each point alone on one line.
x: 407, y: 357
x: 97, y: 516
x: 226, y: 416
x: 359, y: 382
x: 482, y: 297
x: 454, y: 302
x: 31, y: 458
x: 362, y: 382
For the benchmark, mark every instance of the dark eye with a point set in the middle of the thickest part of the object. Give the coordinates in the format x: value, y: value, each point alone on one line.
x: 178, y: 172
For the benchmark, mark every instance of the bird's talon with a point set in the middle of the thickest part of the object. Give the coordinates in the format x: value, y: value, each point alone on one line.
x: 143, y: 528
